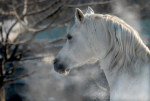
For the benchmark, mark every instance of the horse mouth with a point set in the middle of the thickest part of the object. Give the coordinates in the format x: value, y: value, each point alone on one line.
x: 65, y: 71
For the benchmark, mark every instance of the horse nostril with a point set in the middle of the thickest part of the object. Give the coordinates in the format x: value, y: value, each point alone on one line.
x: 55, y: 61
x: 58, y: 66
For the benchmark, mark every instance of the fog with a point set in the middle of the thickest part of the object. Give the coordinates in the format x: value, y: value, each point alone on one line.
x: 130, y: 14
x: 86, y: 82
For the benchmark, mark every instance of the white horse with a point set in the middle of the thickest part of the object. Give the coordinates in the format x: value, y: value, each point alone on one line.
x: 124, y: 56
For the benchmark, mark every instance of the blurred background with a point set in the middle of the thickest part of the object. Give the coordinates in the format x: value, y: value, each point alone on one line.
x: 33, y: 31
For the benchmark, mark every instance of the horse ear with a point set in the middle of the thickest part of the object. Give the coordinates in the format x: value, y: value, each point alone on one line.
x: 90, y: 10
x: 79, y: 16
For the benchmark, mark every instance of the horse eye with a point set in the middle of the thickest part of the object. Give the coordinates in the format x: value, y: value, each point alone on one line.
x: 69, y: 37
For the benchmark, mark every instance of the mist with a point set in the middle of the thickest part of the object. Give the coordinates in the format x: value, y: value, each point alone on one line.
x: 130, y: 14
x: 83, y: 83
x: 87, y: 82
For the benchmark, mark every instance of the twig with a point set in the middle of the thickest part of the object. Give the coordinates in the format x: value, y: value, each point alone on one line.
x: 49, y: 15
x: 29, y: 59
x: 31, y: 3
x: 6, y: 13
x: 24, y: 25
x: 14, y: 52
x: 42, y: 10
x: 89, y: 4
x: 56, y: 13
x: 1, y: 32
x: 32, y: 29
x: 10, y: 29
x: 10, y: 71
x: 33, y: 36
x: 18, y: 78
x: 25, y: 11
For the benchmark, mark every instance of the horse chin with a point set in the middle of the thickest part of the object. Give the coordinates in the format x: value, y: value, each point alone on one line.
x: 65, y: 72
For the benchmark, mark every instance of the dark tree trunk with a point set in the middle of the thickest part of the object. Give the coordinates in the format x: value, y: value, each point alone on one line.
x: 2, y: 94
x: 2, y: 89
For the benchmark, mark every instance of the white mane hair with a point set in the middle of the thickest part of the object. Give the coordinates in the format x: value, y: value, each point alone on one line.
x: 126, y: 47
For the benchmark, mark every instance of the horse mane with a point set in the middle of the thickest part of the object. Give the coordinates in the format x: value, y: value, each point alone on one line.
x: 126, y: 46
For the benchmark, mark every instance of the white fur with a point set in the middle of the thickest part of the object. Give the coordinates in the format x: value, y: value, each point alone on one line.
x: 123, y: 55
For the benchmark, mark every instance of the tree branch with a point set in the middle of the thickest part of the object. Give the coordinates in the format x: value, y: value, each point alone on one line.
x: 89, y: 4
x: 10, y: 29
x: 6, y: 13
x: 25, y: 11
x: 6, y: 82
x: 44, y: 9
x: 1, y: 32
x: 31, y: 3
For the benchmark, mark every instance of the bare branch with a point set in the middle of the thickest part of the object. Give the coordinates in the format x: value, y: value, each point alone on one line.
x: 89, y: 4
x: 39, y: 29
x: 32, y: 37
x: 3, y: 12
x: 32, y: 58
x: 6, y: 13
x: 25, y: 11
x: 10, y: 29
x: 29, y: 59
x: 31, y: 3
x: 14, y: 52
x: 1, y: 73
x: 52, y: 44
x: 1, y: 32
x: 18, y: 78
x: 44, y: 9
x: 44, y: 28
x: 48, y: 16
x: 25, y: 7
x: 24, y: 24
x: 10, y: 71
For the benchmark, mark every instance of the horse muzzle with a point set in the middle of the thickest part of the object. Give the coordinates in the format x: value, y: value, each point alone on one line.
x: 60, y: 67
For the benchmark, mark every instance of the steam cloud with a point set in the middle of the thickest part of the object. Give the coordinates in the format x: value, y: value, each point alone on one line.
x: 47, y: 85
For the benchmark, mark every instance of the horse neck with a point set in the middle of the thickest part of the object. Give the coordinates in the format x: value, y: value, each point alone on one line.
x: 139, y: 66
x: 121, y: 82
